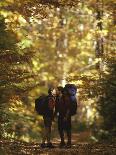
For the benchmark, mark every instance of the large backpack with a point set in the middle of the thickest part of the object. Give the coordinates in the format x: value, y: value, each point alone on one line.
x: 71, y: 90
x: 41, y: 105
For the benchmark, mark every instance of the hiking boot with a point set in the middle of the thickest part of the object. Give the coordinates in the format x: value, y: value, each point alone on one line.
x: 62, y: 144
x: 42, y: 145
x: 68, y: 145
x: 50, y: 145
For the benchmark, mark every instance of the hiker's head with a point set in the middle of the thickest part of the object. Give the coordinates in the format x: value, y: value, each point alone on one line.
x: 59, y: 90
x: 52, y: 91
x: 64, y: 92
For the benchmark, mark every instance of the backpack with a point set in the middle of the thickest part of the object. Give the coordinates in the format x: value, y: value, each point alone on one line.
x: 71, y: 90
x: 40, y: 105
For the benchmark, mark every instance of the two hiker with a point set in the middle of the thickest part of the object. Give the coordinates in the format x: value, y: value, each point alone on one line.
x: 59, y: 102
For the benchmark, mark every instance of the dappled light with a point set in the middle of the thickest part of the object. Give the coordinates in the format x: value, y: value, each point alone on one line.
x: 52, y: 43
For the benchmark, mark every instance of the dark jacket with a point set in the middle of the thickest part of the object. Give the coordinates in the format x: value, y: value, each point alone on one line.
x: 63, y: 105
x: 50, y: 106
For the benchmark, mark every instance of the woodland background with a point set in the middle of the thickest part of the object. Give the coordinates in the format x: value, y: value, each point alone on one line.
x: 46, y: 43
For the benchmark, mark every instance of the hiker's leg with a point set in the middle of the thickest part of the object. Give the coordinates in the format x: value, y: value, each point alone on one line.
x: 60, y: 129
x: 48, y: 134
x: 44, y: 133
x: 61, y: 133
x: 49, y: 126
x: 68, y: 130
x: 47, y: 129
x: 68, y: 137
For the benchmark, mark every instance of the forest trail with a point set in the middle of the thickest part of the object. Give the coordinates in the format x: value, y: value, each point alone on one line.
x: 83, y: 148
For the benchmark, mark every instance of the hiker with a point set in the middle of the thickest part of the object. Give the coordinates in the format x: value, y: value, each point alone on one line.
x: 48, y: 118
x: 63, y: 108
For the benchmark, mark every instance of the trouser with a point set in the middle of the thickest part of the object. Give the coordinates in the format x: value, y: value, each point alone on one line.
x: 47, y: 129
x: 64, y: 126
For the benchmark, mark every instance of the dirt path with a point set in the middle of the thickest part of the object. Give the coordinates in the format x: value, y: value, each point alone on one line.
x: 23, y: 148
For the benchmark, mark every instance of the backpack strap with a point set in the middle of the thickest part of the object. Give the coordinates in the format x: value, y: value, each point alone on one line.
x: 51, y: 102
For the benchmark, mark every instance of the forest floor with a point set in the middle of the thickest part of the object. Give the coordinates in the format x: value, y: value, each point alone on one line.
x: 79, y: 147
